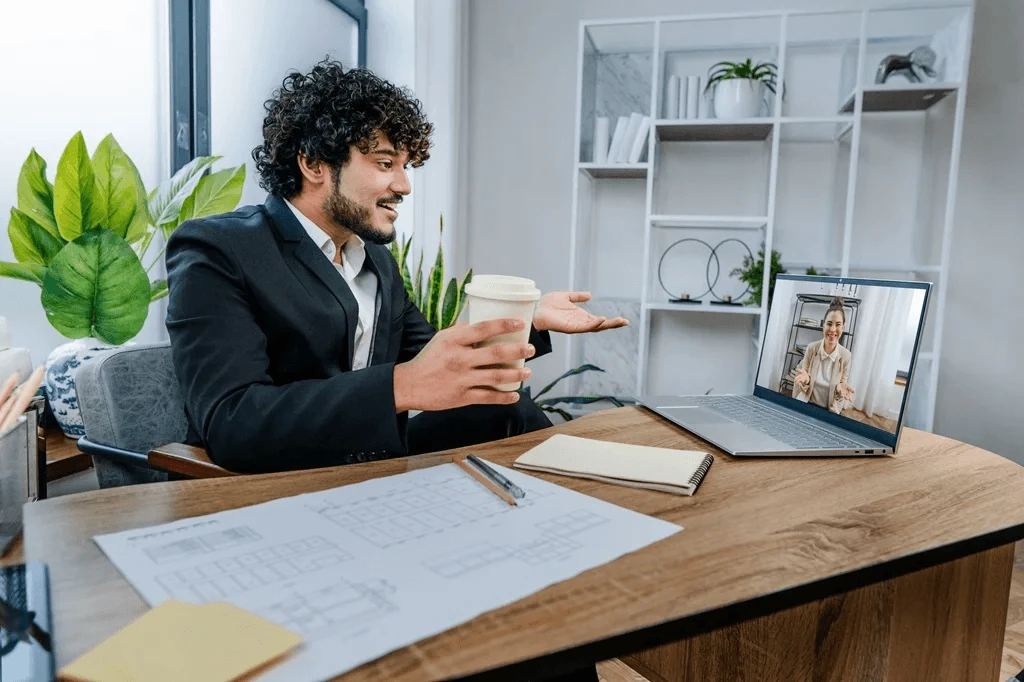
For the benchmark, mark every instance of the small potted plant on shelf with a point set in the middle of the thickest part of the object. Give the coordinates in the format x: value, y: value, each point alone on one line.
x: 738, y: 88
x: 82, y: 239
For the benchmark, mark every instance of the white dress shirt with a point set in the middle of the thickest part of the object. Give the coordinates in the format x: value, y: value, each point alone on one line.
x: 360, y: 280
x: 819, y: 392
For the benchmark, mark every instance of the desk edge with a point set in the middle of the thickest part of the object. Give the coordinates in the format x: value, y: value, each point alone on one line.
x: 568, y: 660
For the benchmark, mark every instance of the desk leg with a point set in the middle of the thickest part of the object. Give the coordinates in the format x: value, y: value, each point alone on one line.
x: 942, y: 624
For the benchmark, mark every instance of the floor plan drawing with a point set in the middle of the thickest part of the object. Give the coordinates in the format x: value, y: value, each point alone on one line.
x: 202, y: 544
x: 228, y: 576
x: 361, y: 570
x: 341, y: 607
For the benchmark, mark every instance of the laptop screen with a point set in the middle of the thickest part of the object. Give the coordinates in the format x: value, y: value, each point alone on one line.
x: 844, y: 347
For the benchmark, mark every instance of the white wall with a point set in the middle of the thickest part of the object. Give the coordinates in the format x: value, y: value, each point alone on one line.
x: 254, y: 44
x: 68, y: 65
x: 521, y: 118
x: 982, y: 375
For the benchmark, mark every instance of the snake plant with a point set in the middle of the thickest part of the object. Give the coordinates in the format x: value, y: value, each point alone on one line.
x: 441, y: 305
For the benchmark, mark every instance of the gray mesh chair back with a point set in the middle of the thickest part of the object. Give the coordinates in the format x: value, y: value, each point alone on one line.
x: 130, y: 401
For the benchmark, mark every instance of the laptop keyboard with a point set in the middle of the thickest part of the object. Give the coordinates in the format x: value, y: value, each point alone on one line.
x: 779, y: 425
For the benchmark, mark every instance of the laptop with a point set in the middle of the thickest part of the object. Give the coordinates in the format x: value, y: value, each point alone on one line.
x: 834, y: 375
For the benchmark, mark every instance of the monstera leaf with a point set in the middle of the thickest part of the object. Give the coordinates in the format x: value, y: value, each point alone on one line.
x: 166, y: 199
x: 35, y: 193
x: 96, y: 286
x: 75, y: 200
x: 120, y: 196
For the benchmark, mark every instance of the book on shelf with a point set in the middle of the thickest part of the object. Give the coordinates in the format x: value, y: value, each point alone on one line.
x: 810, y: 322
x: 629, y: 139
x: 639, y: 140
x: 632, y: 126
x: 617, y: 139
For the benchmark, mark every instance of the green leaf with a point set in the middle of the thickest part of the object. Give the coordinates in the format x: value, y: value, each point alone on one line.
x: 571, y: 373
x: 140, y: 225
x: 418, y: 285
x: 117, y: 188
x: 165, y: 199
x: 449, y: 304
x: 96, y: 286
x: 35, y: 193
x: 216, y: 193
x: 28, y: 273
x: 406, y: 245
x: 436, y: 288
x: 75, y: 200
x: 404, y: 266
x: 32, y: 244
x: 462, y: 292
x: 157, y: 290
x: 561, y: 413
x: 580, y: 400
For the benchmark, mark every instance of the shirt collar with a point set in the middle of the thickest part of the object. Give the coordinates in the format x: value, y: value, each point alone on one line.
x: 828, y: 356
x: 354, y: 251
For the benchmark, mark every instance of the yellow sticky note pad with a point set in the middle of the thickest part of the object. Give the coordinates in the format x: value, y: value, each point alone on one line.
x: 177, y: 641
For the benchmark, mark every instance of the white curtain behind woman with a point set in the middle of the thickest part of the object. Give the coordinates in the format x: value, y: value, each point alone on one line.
x: 777, y: 335
x: 878, y: 338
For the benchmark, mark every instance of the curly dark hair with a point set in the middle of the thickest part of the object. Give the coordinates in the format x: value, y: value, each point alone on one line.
x: 323, y: 113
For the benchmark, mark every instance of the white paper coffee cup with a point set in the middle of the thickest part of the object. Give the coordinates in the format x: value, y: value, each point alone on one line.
x: 492, y: 297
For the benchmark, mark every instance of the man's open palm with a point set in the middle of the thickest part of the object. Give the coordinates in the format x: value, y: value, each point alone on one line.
x: 558, y: 312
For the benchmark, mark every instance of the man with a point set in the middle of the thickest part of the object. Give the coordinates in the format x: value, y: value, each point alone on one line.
x: 292, y: 336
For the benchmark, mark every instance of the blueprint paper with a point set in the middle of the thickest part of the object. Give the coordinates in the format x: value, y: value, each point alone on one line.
x: 365, y: 569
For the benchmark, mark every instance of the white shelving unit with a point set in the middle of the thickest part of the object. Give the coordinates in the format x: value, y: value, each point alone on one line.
x: 842, y: 174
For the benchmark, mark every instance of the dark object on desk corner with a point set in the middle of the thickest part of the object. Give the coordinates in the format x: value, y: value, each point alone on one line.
x: 548, y: 404
x: 25, y: 621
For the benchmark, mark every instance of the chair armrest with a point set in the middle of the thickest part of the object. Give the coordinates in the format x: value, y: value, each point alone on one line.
x: 112, y: 453
x: 186, y: 460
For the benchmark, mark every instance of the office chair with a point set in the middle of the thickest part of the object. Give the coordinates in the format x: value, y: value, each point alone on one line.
x: 134, y: 418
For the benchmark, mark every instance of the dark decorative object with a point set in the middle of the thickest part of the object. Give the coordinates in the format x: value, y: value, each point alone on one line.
x: 727, y: 299
x: 686, y: 297
x: 921, y: 60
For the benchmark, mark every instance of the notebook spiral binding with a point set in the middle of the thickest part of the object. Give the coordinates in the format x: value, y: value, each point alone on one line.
x: 701, y: 471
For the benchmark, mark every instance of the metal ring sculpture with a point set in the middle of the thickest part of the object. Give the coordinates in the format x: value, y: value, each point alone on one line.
x: 661, y: 262
x: 718, y: 298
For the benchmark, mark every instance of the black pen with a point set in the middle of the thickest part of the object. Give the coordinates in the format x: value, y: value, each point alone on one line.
x: 507, y: 485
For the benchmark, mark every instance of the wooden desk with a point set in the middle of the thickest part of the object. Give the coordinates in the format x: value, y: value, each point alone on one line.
x: 892, y: 568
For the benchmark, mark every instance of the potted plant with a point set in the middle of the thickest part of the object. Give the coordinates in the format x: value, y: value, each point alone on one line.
x: 83, y: 238
x: 739, y: 87
x: 752, y: 273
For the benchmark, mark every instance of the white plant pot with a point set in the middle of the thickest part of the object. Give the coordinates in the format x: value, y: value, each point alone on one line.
x: 61, y: 366
x: 738, y: 98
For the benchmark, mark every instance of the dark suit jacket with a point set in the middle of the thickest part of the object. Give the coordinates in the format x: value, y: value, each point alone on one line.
x: 262, y: 330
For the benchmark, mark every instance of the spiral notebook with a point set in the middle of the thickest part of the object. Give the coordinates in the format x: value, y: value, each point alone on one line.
x: 639, y: 466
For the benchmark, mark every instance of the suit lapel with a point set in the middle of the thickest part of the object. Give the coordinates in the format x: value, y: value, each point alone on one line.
x: 307, y: 253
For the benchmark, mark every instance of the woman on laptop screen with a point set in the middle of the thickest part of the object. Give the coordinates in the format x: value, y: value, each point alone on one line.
x: 822, y: 376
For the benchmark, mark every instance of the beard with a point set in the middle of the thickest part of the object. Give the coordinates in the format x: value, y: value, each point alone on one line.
x: 356, y: 217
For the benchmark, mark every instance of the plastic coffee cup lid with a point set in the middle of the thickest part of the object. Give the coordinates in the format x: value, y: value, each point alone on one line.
x: 503, y: 288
